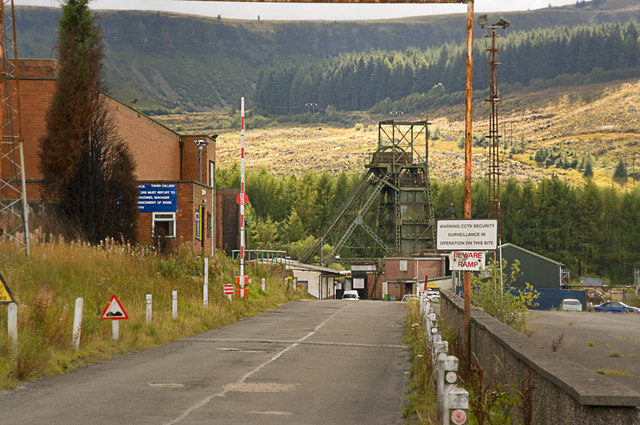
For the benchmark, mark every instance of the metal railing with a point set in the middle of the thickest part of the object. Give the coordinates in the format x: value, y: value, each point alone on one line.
x: 264, y: 256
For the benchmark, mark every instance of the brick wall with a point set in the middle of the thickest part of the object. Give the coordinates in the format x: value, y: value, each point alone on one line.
x: 432, y: 267
x: 156, y: 150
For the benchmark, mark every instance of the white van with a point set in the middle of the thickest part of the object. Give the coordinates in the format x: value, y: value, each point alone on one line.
x: 571, y: 304
x: 351, y: 295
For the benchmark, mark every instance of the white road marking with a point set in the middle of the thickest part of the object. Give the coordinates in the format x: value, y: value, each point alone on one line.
x: 275, y: 412
x: 165, y: 385
x: 206, y: 400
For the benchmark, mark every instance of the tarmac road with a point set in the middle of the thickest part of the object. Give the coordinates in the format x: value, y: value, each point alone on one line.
x: 308, y: 362
x: 597, y: 341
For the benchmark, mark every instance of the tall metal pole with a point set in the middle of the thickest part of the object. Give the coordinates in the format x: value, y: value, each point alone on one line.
x: 242, y: 193
x: 467, y: 176
x: 13, y: 190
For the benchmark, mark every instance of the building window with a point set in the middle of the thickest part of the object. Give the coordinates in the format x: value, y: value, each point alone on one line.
x: 198, y: 228
x: 209, y: 224
x: 403, y: 265
x: 163, y: 225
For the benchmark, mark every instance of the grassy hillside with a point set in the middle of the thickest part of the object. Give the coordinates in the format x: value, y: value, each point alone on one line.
x: 47, y: 283
x: 195, y: 63
x: 602, y: 120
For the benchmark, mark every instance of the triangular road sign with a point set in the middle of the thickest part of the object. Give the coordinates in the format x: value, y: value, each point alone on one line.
x: 114, y: 310
x: 5, y: 293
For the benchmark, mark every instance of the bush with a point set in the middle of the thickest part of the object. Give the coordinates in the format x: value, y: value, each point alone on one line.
x: 502, y: 300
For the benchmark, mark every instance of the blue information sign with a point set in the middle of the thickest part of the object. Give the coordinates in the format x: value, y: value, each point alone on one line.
x: 158, y: 198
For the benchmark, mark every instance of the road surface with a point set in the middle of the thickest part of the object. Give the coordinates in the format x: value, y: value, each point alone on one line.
x: 308, y: 362
x: 598, y: 341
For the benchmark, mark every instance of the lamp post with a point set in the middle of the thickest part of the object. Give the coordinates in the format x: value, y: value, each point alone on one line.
x: 200, y: 143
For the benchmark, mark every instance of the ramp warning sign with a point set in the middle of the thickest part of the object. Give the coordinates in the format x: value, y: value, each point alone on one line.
x: 114, y: 310
x: 5, y: 293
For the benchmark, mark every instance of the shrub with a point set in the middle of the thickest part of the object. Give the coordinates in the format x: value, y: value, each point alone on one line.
x: 507, y: 304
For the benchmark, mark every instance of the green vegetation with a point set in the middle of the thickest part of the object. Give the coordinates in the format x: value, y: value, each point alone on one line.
x: 591, y: 229
x: 422, y: 407
x: 47, y: 284
x: 218, y: 60
x: 86, y: 165
x: 499, y: 299
x: 614, y: 354
x: 614, y: 372
x: 414, y: 80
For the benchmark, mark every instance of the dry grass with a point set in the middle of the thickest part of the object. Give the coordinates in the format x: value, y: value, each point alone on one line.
x: 47, y: 284
x: 600, y: 119
x: 614, y: 372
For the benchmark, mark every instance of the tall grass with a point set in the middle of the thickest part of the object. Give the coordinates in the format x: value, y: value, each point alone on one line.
x: 47, y: 283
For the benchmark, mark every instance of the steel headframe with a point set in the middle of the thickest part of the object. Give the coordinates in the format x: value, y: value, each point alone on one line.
x: 14, y: 211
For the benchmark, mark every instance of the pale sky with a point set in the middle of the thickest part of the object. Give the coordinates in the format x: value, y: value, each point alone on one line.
x: 279, y: 11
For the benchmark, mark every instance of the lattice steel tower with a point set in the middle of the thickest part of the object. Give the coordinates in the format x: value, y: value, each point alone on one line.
x: 14, y: 212
x: 397, y: 181
x: 494, y: 172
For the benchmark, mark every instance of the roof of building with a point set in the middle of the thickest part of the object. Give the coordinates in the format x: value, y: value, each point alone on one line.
x: 310, y: 267
x: 504, y: 245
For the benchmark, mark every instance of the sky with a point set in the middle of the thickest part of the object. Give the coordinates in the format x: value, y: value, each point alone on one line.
x: 279, y: 11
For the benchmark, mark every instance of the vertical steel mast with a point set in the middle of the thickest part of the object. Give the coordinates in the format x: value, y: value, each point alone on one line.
x: 14, y: 211
x: 494, y: 173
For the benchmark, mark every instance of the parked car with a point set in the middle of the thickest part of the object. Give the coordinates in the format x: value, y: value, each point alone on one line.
x: 351, y: 296
x: 616, y: 307
x: 571, y: 304
x: 433, y: 294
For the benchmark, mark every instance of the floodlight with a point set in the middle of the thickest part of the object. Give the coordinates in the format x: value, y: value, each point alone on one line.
x: 504, y: 23
x: 483, y: 20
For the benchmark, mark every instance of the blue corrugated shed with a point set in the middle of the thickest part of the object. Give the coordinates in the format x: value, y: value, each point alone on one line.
x: 550, y: 298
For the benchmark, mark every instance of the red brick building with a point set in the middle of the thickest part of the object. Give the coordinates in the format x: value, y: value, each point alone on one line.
x: 400, y: 275
x: 175, y: 172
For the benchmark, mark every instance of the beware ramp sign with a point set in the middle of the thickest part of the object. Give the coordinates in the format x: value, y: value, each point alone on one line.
x: 5, y: 293
x: 467, y: 260
x: 114, y: 310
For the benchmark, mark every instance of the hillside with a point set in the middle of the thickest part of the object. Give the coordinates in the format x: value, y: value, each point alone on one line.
x: 602, y: 120
x: 194, y: 63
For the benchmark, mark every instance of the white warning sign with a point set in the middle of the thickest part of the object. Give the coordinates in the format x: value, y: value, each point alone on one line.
x: 467, y: 260
x: 462, y: 235
x: 114, y: 310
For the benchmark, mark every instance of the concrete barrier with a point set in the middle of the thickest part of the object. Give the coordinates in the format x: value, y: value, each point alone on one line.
x: 563, y: 391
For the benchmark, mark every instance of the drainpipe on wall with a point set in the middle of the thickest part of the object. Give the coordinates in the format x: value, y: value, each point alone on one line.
x: 181, y: 144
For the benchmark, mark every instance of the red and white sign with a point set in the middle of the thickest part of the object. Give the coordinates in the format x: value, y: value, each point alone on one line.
x: 114, y: 310
x: 228, y: 288
x: 242, y: 200
x: 467, y: 260
x: 459, y: 417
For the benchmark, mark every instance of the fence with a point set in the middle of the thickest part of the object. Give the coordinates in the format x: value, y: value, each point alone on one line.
x: 264, y: 256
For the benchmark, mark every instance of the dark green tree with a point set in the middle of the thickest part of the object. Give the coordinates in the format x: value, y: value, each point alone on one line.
x: 621, y: 170
x: 86, y: 166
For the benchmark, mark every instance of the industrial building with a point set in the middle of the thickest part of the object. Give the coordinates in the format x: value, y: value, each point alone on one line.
x: 175, y: 172
x: 539, y: 271
x: 401, y: 276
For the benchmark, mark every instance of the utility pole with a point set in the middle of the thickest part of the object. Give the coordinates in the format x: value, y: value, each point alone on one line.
x: 311, y: 106
x: 468, y: 130
x: 494, y: 129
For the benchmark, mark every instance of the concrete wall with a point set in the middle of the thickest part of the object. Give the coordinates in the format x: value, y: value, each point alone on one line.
x: 564, y: 392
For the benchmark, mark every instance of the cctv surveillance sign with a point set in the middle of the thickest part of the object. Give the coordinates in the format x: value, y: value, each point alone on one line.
x: 467, y: 235
x: 157, y: 198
